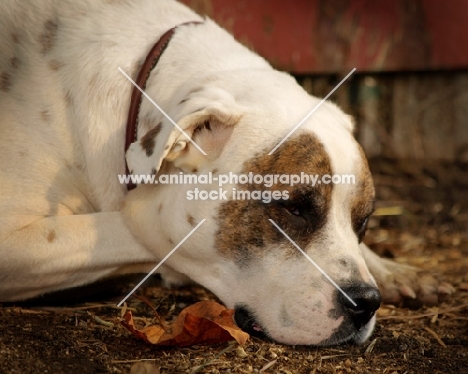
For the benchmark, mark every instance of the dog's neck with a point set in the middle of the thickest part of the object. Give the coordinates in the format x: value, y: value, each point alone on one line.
x: 135, y: 101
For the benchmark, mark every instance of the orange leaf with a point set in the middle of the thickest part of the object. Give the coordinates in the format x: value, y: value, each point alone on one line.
x: 205, y: 322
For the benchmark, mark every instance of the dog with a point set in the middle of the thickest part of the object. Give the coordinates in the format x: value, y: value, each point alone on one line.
x: 67, y: 220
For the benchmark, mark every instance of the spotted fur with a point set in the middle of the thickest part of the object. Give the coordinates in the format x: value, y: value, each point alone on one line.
x: 65, y: 218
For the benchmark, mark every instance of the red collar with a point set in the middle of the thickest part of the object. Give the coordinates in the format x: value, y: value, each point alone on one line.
x: 150, y: 63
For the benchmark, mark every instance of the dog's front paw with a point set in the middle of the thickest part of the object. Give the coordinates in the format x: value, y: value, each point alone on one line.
x: 402, y: 283
x: 399, y: 283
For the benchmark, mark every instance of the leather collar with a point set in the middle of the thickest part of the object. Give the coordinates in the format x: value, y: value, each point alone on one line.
x: 150, y: 63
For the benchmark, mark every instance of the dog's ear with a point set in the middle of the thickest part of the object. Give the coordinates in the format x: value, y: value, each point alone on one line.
x: 350, y: 124
x: 207, y: 117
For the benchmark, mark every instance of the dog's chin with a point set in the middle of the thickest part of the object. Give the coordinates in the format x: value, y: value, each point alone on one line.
x: 364, y: 332
x: 344, y: 335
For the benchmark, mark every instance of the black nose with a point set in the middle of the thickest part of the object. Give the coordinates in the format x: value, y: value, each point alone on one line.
x: 367, y: 300
x: 247, y: 322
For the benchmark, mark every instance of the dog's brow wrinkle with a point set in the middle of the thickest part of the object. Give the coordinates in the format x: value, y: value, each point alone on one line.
x: 160, y: 208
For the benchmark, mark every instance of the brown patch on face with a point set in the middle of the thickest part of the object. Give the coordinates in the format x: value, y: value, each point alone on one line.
x: 214, y: 171
x: 245, y: 228
x: 148, y: 141
x: 5, y: 81
x: 48, y: 37
x: 171, y: 242
x: 51, y: 236
x: 190, y: 220
x: 362, y: 202
x: 55, y: 65
x: 159, y: 208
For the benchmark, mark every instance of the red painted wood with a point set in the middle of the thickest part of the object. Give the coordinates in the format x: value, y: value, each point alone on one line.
x: 324, y: 36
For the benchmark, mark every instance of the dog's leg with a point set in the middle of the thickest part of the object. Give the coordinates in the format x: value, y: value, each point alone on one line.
x: 58, y: 252
x: 398, y: 281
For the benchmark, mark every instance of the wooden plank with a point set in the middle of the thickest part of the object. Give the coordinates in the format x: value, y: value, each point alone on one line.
x: 304, y: 36
x: 461, y: 117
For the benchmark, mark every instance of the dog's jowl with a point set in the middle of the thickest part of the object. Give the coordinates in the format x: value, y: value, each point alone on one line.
x: 68, y: 218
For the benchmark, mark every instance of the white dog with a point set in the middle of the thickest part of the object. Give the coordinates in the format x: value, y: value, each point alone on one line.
x: 66, y: 220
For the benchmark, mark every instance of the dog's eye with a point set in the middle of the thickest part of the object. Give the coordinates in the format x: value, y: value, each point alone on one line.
x: 294, y: 210
x: 362, y: 229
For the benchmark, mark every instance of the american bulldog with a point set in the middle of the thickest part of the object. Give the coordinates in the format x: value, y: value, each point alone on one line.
x: 66, y: 219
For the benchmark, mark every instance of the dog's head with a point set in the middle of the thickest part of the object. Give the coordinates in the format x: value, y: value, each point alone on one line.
x: 285, y: 255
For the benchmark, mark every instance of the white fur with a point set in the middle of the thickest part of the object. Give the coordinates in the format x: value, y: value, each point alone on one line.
x: 62, y: 129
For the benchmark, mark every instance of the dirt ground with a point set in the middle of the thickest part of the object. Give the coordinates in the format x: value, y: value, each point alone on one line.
x: 422, y: 220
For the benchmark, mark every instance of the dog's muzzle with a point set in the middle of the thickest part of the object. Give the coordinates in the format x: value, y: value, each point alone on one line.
x: 356, y: 326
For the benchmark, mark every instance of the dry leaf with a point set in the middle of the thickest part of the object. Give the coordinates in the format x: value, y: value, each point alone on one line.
x: 205, y: 322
